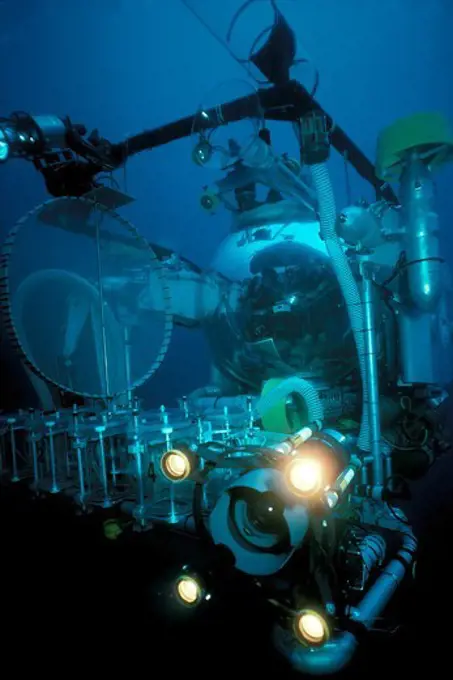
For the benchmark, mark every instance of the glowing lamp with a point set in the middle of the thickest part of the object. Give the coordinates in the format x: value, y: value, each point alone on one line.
x: 176, y: 465
x: 305, y: 476
x: 189, y: 591
x: 311, y: 628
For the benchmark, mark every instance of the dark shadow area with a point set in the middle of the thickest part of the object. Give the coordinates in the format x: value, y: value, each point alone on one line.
x: 74, y: 602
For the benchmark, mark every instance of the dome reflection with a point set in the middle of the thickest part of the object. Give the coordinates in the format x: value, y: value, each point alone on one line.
x: 290, y: 317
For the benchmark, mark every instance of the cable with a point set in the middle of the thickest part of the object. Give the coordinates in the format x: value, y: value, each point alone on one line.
x: 399, y: 448
x: 395, y: 515
x: 424, y: 438
x: 245, y: 62
x: 215, y: 36
x: 403, y: 264
x: 388, y: 504
x: 238, y: 13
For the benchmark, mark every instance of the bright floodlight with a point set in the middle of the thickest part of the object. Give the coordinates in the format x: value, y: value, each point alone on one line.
x: 305, y: 476
x: 312, y: 628
x: 176, y: 465
x: 188, y: 590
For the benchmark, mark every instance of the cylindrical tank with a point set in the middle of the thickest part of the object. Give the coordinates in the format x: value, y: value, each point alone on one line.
x: 421, y: 235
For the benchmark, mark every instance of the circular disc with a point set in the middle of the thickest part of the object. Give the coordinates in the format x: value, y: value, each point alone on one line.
x: 85, y: 299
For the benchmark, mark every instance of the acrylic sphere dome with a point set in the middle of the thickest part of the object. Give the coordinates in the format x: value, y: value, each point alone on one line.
x: 290, y: 315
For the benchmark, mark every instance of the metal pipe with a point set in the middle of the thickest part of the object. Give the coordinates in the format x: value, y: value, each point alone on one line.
x: 338, y: 652
x: 137, y: 450
x: 76, y: 445
x: 114, y: 470
x: 12, y: 434
x: 421, y: 234
x: 388, y: 463
x: 127, y: 361
x: 388, y: 467
x: 371, y: 366
x: 364, y: 476
x: 34, y: 451
x: 100, y: 429
x: 102, y: 310
x: 377, y: 598
x: 53, y: 462
x: 82, y: 493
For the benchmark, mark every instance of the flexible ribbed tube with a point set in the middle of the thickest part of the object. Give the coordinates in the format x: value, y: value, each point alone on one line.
x: 294, y: 385
x: 340, y: 264
x: 348, y: 285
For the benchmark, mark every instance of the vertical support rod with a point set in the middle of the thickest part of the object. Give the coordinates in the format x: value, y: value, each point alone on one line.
x: 77, y: 445
x: 34, y: 450
x: 82, y: 493
x: 372, y: 373
x: 103, y: 468
x: 53, y: 462
x: 127, y: 362
x: 12, y: 434
x: 137, y: 448
x: 102, y: 311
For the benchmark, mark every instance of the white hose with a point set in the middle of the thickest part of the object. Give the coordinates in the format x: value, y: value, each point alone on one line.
x: 340, y: 264
x: 348, y: 285
x: 294, y: 385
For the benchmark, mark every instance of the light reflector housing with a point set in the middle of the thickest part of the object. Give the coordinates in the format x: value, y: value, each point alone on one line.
x: 311, y: 628
x: 176, y: 465
x: 189, y: 591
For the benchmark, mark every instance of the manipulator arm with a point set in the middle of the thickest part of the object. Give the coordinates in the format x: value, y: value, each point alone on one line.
x: 68, y: 160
